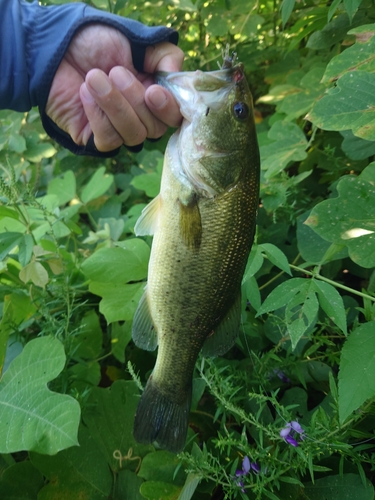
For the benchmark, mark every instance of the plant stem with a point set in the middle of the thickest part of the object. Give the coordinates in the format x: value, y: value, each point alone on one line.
x: 334, y: 283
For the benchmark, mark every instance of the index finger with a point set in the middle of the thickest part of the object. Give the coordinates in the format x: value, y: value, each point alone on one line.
x: 163, y: 57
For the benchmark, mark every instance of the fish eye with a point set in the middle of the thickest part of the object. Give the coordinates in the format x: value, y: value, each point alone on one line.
x: 240, y: 110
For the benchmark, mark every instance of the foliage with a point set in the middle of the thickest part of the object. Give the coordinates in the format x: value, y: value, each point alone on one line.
x: 72, y: 273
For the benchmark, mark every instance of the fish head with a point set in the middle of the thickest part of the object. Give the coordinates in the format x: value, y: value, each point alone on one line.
x: 218, y: 130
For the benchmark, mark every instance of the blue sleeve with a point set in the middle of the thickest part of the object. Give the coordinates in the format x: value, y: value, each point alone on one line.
x: 34, y: 40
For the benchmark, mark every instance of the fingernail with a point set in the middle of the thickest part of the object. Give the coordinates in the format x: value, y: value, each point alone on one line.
x: 99, y: 82
x: 158, y: 98
x: 85, y: 94
x: 122, y: 78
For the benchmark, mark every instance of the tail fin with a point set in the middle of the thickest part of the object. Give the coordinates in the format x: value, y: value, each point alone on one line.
x: 159, y: 419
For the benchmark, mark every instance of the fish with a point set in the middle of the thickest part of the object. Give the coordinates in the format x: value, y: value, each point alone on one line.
x: 203, y: 224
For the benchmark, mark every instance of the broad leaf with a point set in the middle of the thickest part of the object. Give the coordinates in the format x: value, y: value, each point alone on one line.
x: 118, y: 265
x: 288, y: 144
x: 109, y: 418
x: 99, y: 183
x: 276, y: 256
x: 35, y: 272
x: 79, y: 472
x: 155, y: 490
x: 357, y: 370
x: 349, y: 105
x: 63, y: 187
x: 21, y: 481
x: 33, y: 417
x: 119, y: 302
x: 349, y: 219
x: 8, y: 241
x: 358, y: 57
x: 332, y: 304
x: 346, y: 487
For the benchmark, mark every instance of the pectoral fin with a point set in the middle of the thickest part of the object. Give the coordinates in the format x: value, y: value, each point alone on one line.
x: 226, y: 333
x: 190, y: 223
x: 144, y: 333
x: 148, y: 220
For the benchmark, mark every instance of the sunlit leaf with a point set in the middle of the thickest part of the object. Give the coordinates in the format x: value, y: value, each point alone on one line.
x: 349, y: 105
x: 349, y: 219
x: 358, y: 57
x: 33, y: 417
x: 63, y: 187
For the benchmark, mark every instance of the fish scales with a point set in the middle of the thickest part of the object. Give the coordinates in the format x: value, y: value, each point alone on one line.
x: 203, y: 224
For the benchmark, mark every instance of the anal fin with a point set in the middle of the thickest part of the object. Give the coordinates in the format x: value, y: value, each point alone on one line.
x: 226, y: 333
x: 144, y: 333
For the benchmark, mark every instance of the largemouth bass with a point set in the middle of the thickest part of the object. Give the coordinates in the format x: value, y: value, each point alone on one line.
x: 203, y: 224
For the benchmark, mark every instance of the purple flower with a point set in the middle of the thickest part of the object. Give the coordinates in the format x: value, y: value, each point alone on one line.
x: 291, y: 431
x: 247, y: 466
x: 255, y: 467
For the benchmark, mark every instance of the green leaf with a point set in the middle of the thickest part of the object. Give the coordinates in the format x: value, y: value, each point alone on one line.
x: 35, y: 152
x: 118, y: 265
x: 17, y: 309
x: 349, y: 105
x: 346, y: 487
x: 127, y: 486
x: 313, y: 247
x: 155, y: 490
x: 99, y: 183
x: 351, y: 6
x: 298, y: 297
x: 109, y: 417
x: 149, y: 183
x: 119, y: 302
x: 332, y: 304
x: 121, y: 335
x: 358, y: 57
x: 17, y: 143
x: 87, y: 343
x: 304, y: 96
x: 357, y: 370
x: 288, y: 144
x: 25, y: 249
x: 276, y: 256
x: 349, y: 219
x: 190, y: 486
x: 287, y: 7
x: 21, y: 481
x: 79, y: 472
x: 64, y: 187
x: 8, y: 241
x: 161, y: 466
x: 33, y: 417
x: 282, y: 294
x: 35, y: 272
x: 254, y: 262
x: 355, y: 147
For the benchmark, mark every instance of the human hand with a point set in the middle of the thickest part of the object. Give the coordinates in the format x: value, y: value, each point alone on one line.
x: 96, y: 89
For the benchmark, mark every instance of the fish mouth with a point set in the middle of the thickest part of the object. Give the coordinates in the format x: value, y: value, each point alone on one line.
x: 197, y: 91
